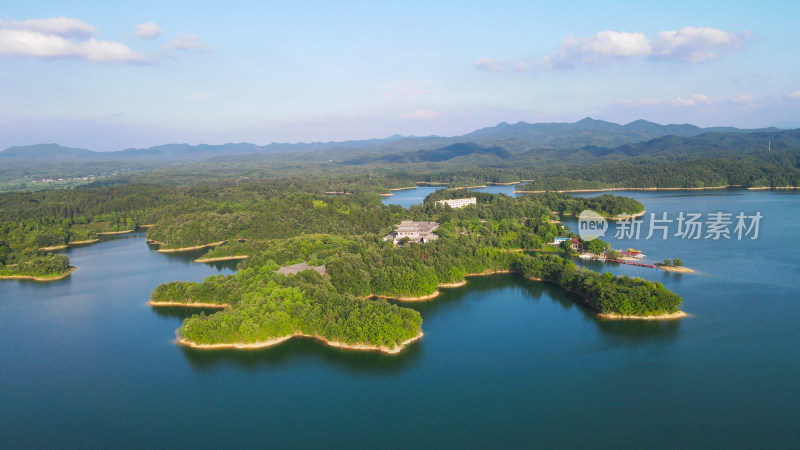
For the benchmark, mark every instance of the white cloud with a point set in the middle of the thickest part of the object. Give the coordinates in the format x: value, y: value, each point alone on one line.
x: 690, y: 45
x: 60, y: 26
x: 602, y: 47
x: 795, y: 94
x: 489, y: 64
x: 419, y: 114
x: 692, y: 100
x: 744, y: 98
x: 187, y: 42
x: 26, y: 43
x: 697, y: 45
x: 148, y: 30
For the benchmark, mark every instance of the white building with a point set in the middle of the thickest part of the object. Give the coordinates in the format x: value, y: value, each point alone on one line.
x: 414, y: 231
x: 458, y: 202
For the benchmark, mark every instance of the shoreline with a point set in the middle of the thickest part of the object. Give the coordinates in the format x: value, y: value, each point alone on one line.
x: 567, y: 191
x: 626, y: 216
x: 109, y: 233
x: 190, y: 305
x: 672, y: 316
x: 40, y: 279
x: 221, y: 258
x: 609, y: 316
x: 466, y: 187
x: 55, y: 247
x: 767, y: 188
x: 386, y: 195
x: 677, y: 269
x: 87, y: 241
x: 453, y: 285
x: 277, y: 340
x: 408, y: 299
x: 186, y: 249
x: 402, y: 188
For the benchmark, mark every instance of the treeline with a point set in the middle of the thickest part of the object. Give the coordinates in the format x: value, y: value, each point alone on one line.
x: 604, y: 292
x: 534, y: 205
x: 271, y: 306
x: 31, y: 263
x: 658, y: 173
x: 416, y: 270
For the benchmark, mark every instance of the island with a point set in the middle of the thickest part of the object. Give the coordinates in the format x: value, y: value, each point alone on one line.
x: 674, y: 265
x: 366, y: 258
x: 337, y: 287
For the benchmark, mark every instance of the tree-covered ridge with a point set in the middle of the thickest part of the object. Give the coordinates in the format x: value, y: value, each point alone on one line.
x: 659, y: 173
x: 269, y: 306
x: 483, y: 238
x: 416, y: 270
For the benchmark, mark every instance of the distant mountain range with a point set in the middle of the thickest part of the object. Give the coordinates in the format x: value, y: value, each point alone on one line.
x: 596, y: 137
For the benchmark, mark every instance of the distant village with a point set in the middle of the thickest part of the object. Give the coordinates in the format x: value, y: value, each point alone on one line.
x: 53, y: 180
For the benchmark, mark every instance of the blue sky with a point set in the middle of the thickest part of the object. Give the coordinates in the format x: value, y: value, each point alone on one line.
x: 133, y: 74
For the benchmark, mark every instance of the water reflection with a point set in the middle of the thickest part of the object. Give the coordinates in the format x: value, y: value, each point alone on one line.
x: 299, y: 349
x: 180, y: 313
x: 453, y: 299
x: 634, y: 331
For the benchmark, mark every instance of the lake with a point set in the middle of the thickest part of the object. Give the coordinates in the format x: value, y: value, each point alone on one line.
x: 504, y: 361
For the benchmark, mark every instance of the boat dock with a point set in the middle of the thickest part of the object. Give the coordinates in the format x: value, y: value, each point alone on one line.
x: 651, y: 266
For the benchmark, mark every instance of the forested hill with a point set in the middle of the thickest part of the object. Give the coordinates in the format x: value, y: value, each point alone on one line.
x: 517, y: 137
x: 438, y: 155
x: 716, y: 144
x: 763, y: 159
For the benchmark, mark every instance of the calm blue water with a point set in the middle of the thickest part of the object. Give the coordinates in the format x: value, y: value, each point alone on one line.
x: 504, y: 361
x: 408, y: 197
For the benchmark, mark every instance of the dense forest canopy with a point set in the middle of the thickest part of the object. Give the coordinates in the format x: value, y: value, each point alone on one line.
x: 270, y: 208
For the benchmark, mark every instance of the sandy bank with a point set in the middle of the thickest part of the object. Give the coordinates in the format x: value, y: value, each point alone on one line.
x: 278, y: 340
x: 488, y: 272
x: 675, y: 315
x: 147, y: 226
x: 453, y: 285
x: 109, y: 233
x: 221, y: 258
x: 408, y: 299
x: 402, y: 188
x: 337, y: 193
x: 678, y: 269
x: 624, y: 217
x: 190, y: 305
x: 87, y: 241
x: 30, y: 277
x: 505, y: 184
x: 466, y: 187
x: 55, y: 247
x: 186, y: 249
x: 386, y: 195
x: 768, y: 188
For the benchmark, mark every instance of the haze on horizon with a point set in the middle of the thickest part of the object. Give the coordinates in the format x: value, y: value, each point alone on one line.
x: 148, y: 73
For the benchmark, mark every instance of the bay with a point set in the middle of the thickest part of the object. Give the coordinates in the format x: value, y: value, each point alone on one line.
x: 504, y: 361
